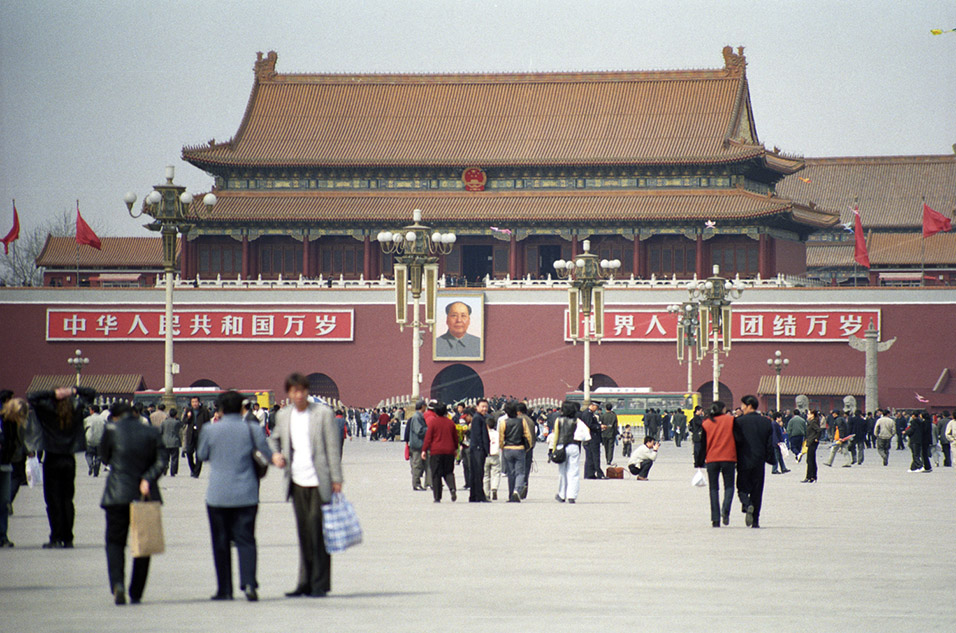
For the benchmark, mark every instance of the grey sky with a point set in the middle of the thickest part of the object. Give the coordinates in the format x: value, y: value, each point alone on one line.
x: 97, y: 97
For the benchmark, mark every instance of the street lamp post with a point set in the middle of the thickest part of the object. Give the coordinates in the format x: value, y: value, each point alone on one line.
x: 586, y: 300
x: 777, y: 363
x: 688, y: 328
x: 78, y: 362
x: 171, y: 208
x: 416, y: 250
x: 714, y: 296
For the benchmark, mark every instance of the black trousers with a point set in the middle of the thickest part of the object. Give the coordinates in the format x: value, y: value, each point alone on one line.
x: 466, y: 464
x: 812, y: 460
x: 609, y: 443
x: 315, y: 564
x: 750, y: 487
x: 476, y: 486
x: 715, y: 472
x: 926, y: 451
x: 642, y: 470
x: 442, y: 467
x: 228, y: 526
x: 172, y: 461
x: 592, y: 459
x: 528, y: 461
x: 195, y: 465
x: 947, y: 454
x: 917, y: 452
x: 117, y: 530
x: 59, y: 475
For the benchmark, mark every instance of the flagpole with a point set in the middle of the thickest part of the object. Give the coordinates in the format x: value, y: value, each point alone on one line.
x: 77, y: 244
x: 922, y: 255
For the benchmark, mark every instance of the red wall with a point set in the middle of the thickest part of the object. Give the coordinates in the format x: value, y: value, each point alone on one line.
x: 525, y: 354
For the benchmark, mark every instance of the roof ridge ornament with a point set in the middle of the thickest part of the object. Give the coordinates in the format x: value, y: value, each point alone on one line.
x: 265, y: 68
x: 735, y: 63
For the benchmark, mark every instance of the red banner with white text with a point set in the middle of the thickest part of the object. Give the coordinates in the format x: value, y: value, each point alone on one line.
x: 758, y: 325
x: 267, y: 324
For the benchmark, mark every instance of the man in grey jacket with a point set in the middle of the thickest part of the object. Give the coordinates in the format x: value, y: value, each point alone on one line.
x: 232, y: 499
x: 415, y: 436
x: 171, y: 429
x: 308, y: 442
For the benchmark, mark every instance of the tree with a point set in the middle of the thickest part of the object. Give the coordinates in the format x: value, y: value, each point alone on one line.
x: 19, y: 268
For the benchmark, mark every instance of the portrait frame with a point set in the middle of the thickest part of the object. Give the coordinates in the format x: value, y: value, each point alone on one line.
x: 467, y: 349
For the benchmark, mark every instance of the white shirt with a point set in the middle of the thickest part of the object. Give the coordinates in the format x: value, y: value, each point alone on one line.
x: 493, y: 438
x: 303, y: 469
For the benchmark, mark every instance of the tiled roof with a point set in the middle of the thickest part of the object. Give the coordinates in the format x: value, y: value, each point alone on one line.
x: 889, y: 189
x: 666, y: 117
x: 906, y: 249
x: 812, y: 385
x: 829, y: 254
x: 117, y: 252
x: 108, y: 384
x: 516, y: 206
x: 887, y: 250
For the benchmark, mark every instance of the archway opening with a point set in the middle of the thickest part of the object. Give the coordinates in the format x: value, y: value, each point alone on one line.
x: 724, y: 394
x: 599, y: 381
x: 205, y: 382
x: 457, y: 382
x: 323, y: 386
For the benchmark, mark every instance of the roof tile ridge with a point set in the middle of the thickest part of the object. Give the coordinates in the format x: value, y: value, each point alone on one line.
x: 880, y: 160
x: 492, y: 77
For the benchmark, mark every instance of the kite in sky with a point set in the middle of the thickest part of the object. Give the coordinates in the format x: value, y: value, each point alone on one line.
x: 848, y: 226
x: 921, y: 398
x: 941, y: 31
x: 806, y: 180
x: 710, y: 224
x: 497, y: 230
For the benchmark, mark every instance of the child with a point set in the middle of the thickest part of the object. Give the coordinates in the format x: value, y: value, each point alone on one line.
x: 643, y: 458
x: 627, y: 439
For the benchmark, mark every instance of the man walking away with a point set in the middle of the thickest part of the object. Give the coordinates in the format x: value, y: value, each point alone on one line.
x: 779, y: 437
x: 529, y: 454
x: 797, y: 431
x: 680, y: 426
x: 944, y: 442
x: 608, y: 432
x: 753, y: 435
x: 440, y: 446
x: 480, y: 447
x: 840, y: 444
x: 415, y: 437
x: 170, y: 430
x: 195, y: 417
x: 858, y: 431
x: 592, y: 448
x: 514, y: 437
x: 93, y: 425
x: 885, y: 430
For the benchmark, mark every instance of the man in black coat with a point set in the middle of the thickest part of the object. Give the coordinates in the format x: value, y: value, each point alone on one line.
x: 59, y: 415
x: 136, y: 457
x: 480, y: 447
x: 753, y: 435
x: 195, y: 416
x: 592, y: 449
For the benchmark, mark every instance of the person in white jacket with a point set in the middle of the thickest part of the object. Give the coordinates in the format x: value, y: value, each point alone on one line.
x: 568, y: 434
x: 643, y: 458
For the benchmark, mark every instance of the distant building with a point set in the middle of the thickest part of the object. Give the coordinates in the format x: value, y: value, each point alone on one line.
x: 889, y: 192
x: 123, y: 262
x: 660, y: 169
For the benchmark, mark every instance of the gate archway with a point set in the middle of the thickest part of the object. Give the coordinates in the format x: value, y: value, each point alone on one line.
x: 323, y: 386
x: 205, y: 382
x: 724, y: 394
x: 457, y: 382
x: 598, y: 381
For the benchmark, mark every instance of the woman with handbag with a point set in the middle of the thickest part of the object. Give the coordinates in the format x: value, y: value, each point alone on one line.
x: 136, y: 457
x: 564, y: 446
x: 237, y: 453
x: 719, y: 453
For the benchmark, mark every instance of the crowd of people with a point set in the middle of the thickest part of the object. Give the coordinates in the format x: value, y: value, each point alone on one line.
x: 139, y: 445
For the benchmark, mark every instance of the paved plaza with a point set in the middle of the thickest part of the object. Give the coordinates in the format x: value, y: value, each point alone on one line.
x: 865, y: 549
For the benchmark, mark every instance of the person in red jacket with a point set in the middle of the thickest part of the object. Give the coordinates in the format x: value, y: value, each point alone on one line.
x: 719, y: 453
x: 441, y: 441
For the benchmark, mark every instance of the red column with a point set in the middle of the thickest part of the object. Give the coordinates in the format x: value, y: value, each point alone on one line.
x: 306, y: 269
x: 701, y: 266
x: 638, y: 263
x: 574, y: 247
x: 513, y: 257
x: 764, y: 264
x: 183, y: 257
x: 367, y: 257
x: 245, y: 257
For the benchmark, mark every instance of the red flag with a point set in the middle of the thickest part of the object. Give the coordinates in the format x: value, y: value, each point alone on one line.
x: 859, y: 251
x: 84, y: 234
x: 14, y: 233
x: 934, y: 222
